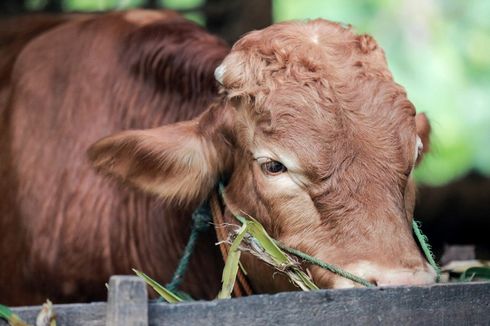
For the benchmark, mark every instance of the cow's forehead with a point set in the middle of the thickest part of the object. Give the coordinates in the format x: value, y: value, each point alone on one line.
x: 307, y: 65
x: 318, y: 89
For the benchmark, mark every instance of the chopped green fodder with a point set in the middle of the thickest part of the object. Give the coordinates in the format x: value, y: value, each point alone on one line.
x: 10, y: 317
x: 475, y: 273
x: 253, y: 238
x: 46, y: 316
x: 166, y: 294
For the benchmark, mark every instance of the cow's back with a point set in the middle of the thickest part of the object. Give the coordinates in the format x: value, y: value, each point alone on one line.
x: 15, y: 33
x: 72, y: 86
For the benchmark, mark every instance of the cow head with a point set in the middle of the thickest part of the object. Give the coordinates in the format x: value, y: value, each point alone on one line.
x: 315, y: 140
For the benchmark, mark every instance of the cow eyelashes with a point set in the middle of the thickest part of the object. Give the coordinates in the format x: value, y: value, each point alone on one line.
x: 271, y: 167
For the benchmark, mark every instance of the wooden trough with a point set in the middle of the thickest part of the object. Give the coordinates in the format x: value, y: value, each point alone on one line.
x: 439, y: 304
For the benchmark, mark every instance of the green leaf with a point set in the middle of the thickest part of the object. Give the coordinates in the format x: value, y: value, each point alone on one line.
x: 266, y: 242
x: 304, y: 281
x: 5, y: 312
x: 232, y: 263
x: 475, y: 272
x: 8, y: 315
x: 280, y: 260
x: 167, y: 295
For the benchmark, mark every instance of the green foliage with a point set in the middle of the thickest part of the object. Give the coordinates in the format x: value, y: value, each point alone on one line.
x: 181, y: 4
x: 266, y: 242
x: 10, y: 317
x: 99, y: 5
x: 232, y: 264
x: 5, y: 312
x: 252, y: 237
x: 104, y: 5
x: 438, y: 50
x: 167, y: 295
x: 478, y: 273
x: 275, y: 256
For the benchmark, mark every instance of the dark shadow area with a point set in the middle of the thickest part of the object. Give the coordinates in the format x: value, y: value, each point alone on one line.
x: 457, y: 213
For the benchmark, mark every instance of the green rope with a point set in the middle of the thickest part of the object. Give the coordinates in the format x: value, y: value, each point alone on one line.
x: 201, y: 219
x: 334, y: 269
x: 424, y: 243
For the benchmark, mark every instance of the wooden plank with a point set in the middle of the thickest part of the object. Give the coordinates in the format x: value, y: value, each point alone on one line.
x: 127, y: 303
x: 440, y: 304
x: 91, y: 314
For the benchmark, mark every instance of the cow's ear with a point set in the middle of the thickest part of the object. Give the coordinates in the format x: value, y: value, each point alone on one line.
x: 423, y: 131
x: 181, y: 161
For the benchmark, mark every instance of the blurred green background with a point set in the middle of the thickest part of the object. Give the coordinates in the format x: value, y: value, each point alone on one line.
x: 438, y: 49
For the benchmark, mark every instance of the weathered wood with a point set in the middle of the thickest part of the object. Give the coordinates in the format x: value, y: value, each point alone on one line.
x: 442, y: 304
x: 91, y: 314
x: 127, y: 303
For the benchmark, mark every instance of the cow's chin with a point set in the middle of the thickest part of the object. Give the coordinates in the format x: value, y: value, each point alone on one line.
x: 325, y: 279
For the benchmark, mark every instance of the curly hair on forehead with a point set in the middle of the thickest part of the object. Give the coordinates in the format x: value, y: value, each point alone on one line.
x: 302, y: 53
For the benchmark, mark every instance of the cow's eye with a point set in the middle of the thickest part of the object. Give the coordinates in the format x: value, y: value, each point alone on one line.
x: 273, y: 167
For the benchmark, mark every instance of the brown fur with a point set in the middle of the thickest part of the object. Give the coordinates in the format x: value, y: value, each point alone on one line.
x: 63, y: 229
x: 313, y: 90
x: 15, y: 33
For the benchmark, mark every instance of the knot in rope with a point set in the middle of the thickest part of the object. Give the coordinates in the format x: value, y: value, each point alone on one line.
x: 201, y: 218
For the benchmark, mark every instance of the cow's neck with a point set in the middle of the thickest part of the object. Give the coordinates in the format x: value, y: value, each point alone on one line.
x: 159, y: 246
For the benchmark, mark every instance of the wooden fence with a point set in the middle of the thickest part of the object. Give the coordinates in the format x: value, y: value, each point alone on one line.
x: 439, y: 304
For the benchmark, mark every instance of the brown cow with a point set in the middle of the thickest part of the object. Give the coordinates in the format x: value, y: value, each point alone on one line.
x: 66, y: 229
x: 312, y: 134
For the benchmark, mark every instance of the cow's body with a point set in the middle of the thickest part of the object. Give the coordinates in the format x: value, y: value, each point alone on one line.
x: 65, y: 228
